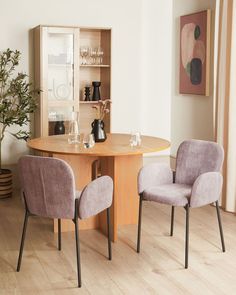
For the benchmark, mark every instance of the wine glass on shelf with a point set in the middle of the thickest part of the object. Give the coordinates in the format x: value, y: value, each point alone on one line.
x: 93, y: 55
x: 84, y: 51
x: 100, y: 53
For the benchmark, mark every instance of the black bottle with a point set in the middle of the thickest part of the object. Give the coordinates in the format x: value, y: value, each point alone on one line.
x: 59, y: 128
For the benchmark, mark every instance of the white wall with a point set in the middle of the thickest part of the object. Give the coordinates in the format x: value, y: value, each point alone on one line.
x: 156, y: 68
x: 141, y: 55
x: 191, y: 115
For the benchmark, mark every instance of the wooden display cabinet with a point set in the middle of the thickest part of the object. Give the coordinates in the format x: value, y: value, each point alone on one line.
x: 61, y: 76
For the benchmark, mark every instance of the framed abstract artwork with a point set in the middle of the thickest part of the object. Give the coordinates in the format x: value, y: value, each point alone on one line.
x: 195, y: 53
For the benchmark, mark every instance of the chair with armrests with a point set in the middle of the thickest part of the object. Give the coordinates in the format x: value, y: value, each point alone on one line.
x: 48, y: 187
x: 196, y: 182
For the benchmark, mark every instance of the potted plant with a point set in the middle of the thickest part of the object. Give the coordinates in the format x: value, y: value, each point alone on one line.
x: 102, y: 108
x: 17, y: 101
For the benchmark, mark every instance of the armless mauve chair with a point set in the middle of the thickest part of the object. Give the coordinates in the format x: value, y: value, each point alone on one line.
x: 196, y: 182
x: 49, y: 191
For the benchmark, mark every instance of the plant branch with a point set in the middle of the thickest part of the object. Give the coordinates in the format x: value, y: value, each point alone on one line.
x: 17, y: 101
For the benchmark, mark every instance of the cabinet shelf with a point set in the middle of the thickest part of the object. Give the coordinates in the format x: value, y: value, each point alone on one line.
x: 95, y: 66
x: 61, y: 65
x: 90, y: 101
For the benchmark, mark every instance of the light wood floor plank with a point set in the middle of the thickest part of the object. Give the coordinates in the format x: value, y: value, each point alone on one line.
x: 158, y: 269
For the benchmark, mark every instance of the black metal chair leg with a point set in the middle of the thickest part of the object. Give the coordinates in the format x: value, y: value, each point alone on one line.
x: 78, y: 252
x: 187, y: 236
x: 77, y: 244
x: 139, y: 223
x: 22, y: 240
x: 59, y: 234
x: 172, y: 220
x: 220, y: 227
x: 109, y: 234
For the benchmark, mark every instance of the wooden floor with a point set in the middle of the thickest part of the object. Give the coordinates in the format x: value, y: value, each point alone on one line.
x: 158, y: 269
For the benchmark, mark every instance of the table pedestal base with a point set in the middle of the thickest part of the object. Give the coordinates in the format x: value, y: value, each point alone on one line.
x: 124, y: 171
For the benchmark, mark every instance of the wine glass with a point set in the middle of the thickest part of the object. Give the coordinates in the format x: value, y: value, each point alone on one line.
x: 88, y: 140
x: 100, y: 53
x: 93, y: 55
x: 84, y: 51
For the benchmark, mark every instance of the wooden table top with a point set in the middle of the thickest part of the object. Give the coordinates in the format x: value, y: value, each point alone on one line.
x: 115, y: 145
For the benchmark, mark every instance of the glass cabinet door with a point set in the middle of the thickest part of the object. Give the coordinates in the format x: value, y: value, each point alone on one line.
x: 60, y: 66
x: 60, y: 63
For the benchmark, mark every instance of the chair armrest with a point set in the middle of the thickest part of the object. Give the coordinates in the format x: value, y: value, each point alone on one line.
x: 206, y: 189
x: 154, y: 174
x: 96, y: 197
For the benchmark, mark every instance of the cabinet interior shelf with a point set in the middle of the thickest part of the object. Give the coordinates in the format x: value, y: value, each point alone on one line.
x: 89, y: 102
x: 95, y: 66
x: 61, y: 65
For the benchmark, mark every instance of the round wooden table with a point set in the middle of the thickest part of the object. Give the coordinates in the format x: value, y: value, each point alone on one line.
x: 118, y: 160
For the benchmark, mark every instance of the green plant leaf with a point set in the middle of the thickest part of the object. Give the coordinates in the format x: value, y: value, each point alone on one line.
x: 17, y: 98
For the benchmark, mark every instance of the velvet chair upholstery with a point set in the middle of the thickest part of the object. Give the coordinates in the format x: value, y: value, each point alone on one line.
x: 48, y: 187
x: 196, y: 182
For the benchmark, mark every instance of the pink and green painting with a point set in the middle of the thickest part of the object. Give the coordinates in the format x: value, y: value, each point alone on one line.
x: 194, y: 53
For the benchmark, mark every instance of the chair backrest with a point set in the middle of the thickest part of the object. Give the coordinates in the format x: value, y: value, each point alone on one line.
x: 48, y: 185
x: 195, y: 157
x: 96, y: 197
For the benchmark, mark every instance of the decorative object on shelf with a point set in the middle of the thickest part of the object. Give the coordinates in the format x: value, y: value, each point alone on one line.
x: 59, y: 127
x: 17, y: 101
x: 96, y: 91
x: 195, y: 53
x: 74, y: 136
x: 98, y: 125
x: 87, y: 93
x: 84, y: 51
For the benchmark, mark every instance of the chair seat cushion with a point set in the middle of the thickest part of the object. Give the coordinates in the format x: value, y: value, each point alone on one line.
x: 174, y: 194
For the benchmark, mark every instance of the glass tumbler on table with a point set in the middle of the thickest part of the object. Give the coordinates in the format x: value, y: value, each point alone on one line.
x: 135, y: 139
x: 88, y: 141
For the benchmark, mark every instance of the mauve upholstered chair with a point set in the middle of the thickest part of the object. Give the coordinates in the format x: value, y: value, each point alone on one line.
x: 196, y: 182
x: 48, y: 187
